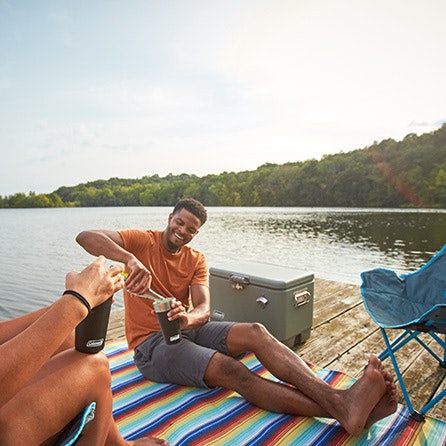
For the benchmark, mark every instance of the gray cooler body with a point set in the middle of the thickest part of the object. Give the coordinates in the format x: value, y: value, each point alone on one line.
x: 281, y: 298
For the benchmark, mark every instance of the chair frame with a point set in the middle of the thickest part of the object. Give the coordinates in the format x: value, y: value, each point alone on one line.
x: 390, y: 350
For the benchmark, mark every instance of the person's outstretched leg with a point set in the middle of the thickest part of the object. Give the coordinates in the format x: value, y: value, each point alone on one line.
x: 63, y: 387
x: 310, y: 396
x: 11, y: 328
x: 350, y: 407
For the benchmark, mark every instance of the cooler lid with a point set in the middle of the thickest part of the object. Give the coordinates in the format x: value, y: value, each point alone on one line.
x: 266, y: 275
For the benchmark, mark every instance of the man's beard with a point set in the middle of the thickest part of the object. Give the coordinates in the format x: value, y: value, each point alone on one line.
x: 172, y: 247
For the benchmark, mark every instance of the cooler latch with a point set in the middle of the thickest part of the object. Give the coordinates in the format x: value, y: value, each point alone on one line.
x: 262, y: 301
x: 301, y: 297
x: 238, y: 282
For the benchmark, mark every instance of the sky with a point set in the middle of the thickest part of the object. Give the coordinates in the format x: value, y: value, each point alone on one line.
x: 95, y: 89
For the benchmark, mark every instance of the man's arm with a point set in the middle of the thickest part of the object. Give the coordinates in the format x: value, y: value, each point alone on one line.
x: 200, y: 313
x: 106, y: 243
x: 110, y: 244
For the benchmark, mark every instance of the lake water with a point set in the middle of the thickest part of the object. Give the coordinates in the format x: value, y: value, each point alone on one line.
x: 38, y: 247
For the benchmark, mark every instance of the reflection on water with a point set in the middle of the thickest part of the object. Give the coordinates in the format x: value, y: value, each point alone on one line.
x: 37, y: 246
x: 336, y: 244
x: 411, y: 237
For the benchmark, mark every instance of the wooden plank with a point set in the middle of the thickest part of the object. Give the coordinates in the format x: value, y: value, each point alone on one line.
x: 421, y: 373
x: 354, y: 359
x: 439, y: 410
x: 324, y: 288
x: 335, y: 304
x: 423, y: 379
x: 116, y: 326
x: 331, y: 340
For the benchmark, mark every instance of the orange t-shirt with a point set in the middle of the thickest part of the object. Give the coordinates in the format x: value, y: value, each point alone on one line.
x: 172, y: 275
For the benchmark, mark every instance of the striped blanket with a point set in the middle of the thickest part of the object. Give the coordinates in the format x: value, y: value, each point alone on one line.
x: 191, y: 416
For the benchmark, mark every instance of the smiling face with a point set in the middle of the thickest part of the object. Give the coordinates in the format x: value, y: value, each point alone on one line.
x: 182, y: 227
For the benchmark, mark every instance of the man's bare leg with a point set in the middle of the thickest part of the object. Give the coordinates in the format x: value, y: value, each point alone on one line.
x: 321, y: 399
x: 351, y: 407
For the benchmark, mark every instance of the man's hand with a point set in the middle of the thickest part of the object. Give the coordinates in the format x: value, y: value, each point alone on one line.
x: 139, y: 277
x: 179, y: 312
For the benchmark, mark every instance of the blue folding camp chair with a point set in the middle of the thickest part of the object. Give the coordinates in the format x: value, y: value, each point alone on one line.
x: 415, y: 303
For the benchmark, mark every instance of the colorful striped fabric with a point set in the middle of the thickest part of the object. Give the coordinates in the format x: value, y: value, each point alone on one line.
x: 191, y: 416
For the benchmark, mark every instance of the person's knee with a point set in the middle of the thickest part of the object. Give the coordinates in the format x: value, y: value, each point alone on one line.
x: 96, y: 367
x: 256, y: 332
x: 259, y: 329
x: 247, y: 336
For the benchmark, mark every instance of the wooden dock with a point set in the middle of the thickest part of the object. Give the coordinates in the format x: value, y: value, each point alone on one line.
x: 343, y: 337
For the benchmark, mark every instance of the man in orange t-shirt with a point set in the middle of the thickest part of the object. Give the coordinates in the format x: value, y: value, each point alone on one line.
x: 207, y: 354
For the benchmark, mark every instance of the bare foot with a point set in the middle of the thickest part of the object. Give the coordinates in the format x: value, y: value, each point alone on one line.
x: 388, y: 404
x: 149, y: 441
x: 362, y: 397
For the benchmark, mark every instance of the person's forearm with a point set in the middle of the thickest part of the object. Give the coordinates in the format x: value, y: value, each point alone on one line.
x: 23, y: 355
x: 198, y: 316
x: 201, y: 308
x: 98, y: 243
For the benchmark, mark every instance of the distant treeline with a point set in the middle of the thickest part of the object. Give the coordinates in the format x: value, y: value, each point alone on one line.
x: 408, y: 173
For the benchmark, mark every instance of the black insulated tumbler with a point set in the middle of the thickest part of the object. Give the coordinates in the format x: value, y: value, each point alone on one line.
x: 171, y: 329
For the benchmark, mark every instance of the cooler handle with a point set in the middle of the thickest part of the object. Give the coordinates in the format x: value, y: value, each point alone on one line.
x: 301, y: 297
x: 239, y: 282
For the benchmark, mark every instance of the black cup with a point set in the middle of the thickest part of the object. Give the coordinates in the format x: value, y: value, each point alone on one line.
x: 171, y: 329
x: 91, y: 332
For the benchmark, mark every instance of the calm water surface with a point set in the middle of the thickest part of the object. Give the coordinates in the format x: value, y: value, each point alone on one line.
x: 38, y: 247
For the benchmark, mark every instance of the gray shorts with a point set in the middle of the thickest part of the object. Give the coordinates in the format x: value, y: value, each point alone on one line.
x: 186, y: 361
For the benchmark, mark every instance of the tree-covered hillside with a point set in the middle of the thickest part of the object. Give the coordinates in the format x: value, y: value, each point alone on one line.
x: 407, y: 173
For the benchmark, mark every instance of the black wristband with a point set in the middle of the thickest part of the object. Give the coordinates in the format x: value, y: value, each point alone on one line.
x: 80, y: 297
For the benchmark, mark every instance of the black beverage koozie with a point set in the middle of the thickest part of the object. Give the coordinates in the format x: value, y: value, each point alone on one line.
x: 91, y: 332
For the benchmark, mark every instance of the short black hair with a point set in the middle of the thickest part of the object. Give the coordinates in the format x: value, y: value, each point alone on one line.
x: 194, y: 207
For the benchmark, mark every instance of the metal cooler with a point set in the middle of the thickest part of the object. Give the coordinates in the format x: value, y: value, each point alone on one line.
x: 280, y: 298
